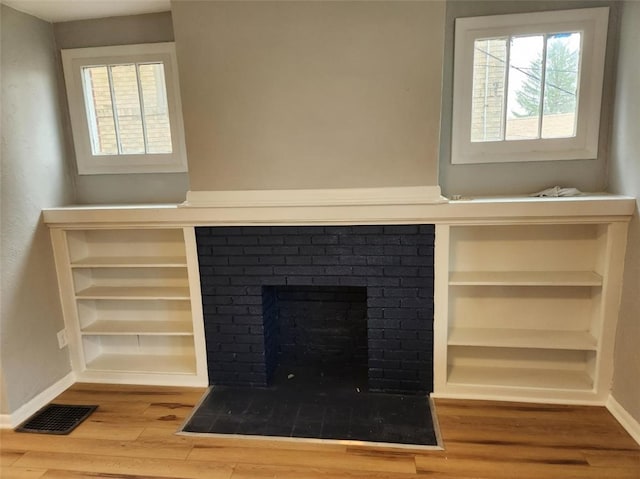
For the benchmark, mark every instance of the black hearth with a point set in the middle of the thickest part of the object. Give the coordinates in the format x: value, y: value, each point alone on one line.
x: 322, y: 298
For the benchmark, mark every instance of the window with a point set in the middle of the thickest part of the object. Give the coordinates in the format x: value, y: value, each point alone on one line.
x: 125, y: 109
x: 528, y: 87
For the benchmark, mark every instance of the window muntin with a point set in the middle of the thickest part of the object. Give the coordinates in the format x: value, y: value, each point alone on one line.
x: 528, y: 86
x: 125, y: 109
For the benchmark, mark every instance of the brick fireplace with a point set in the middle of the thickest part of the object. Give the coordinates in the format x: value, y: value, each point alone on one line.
x: 319, y: 296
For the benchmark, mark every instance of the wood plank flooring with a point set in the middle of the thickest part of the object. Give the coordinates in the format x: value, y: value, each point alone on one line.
x: 131, y: 436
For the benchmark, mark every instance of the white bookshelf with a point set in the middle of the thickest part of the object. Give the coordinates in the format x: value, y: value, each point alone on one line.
x: 132, y: 306
x: 527, y: 310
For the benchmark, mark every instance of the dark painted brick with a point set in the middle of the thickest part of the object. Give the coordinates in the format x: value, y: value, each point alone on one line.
x: 297, y: 240
x: 401, y: 229
x: 300, y: 280
x: 234, y: 329
x: 325, y: 260
x: 374, y: 292
x: 400, y: 271
x: 244, y: 280
x: 298, y: 270
x: 353, y: 240
x: 297, y: 260
x: 383, y: 260
x: 242, y: 240
x: 383, y: 282
x: 324, y: 239
x: 233, y: 309
x: 336, y: 270
x: 384, y: 344
x: 242, y: 260
x: 235, y: 347
x: 368, y: 229
x: 228, y: 250
x: 367, y: 271
x: 416, y: 303
x: 399, y: 313
x: 415, y: 260
x: 383, y: 239
x: 400, y: 250
x: 420, y: 240
x: 383, y: 302
x: 246, y: 299
x: 352, y: 260
x: 401, y: 292
x: 258, y: 270
x: 353, y: 281
x: 325, y: 280
x: 271, y: 240
x: 384, y: 323
x: 372, y: 250
x: 402, y: 355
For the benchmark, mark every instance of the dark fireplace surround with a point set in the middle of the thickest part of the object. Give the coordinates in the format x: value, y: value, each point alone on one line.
x: 368, y: 292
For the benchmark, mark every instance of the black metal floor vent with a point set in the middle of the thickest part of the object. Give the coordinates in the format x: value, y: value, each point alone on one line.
x: 56, y: 419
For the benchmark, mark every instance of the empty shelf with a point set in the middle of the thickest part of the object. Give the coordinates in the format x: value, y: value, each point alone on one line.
x: 520, y: 377
x: 134, y: 292
x: 174, y: 328
x: 522, y: 338
x: 130, y: 261
x: 525, y: 278
x: 143, y: 363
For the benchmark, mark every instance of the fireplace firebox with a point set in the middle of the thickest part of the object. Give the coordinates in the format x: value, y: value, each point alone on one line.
x: 321, y: 297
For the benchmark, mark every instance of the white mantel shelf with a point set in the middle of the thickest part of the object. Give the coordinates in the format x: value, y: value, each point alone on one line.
x: 497, y: 210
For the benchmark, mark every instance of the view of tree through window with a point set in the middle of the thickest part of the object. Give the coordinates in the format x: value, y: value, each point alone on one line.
x: 525, y: 87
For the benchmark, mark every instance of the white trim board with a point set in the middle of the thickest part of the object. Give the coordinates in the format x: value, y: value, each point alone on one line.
x: 626, y: 420
x: 24, y: 412
x: 406, y: 195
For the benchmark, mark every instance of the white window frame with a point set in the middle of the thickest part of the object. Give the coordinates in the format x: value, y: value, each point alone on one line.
x: 73, y: 60
x: 592, y: 23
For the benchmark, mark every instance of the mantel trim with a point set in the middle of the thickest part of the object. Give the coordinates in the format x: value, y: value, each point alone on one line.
x: 409, y: 195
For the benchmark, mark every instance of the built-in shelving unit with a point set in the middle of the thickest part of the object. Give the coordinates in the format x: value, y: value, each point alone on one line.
x: 131, y: 313
x: 526, y: 289
x: 527, y: 307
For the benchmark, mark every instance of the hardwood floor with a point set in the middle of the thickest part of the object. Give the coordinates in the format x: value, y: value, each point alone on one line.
x: 131, y: 435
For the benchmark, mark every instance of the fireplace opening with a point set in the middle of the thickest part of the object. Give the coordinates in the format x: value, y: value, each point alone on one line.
x: 316, y: 336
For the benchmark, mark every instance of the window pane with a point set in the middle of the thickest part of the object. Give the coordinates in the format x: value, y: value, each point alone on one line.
x: 561, y: 85
x: 525, y: 87
x: 97, y: 94
x: 487, y: 109
x: 127, y: 102
x: 156, y: 111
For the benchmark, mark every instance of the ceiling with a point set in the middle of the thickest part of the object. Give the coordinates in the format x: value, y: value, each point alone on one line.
x: 65, y: 10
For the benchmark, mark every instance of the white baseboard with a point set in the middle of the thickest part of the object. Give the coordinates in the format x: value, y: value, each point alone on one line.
x: 625, y: 419
x: 9, y: 421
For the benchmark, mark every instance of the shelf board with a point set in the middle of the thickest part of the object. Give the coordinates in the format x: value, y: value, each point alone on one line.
x: 520, y: 378
x: 122, y: 327
x: 143, y: 363
x: 133, y: 292
x: 524, y: 278
x: 131, y: 262
x: 522, y: 338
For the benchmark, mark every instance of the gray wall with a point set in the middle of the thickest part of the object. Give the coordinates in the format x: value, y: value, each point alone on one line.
x: 286, y: 95
x: 130, y: 188
x: 625, y: 179
x: 34, y: 176
x: 527, y: 177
